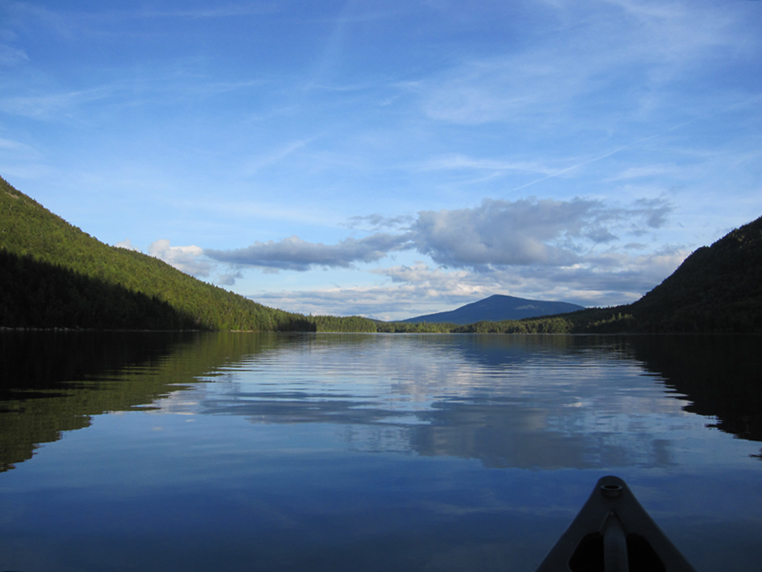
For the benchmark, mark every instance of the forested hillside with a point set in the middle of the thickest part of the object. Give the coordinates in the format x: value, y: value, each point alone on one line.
x: 717, y: 288
x: 54, y: 275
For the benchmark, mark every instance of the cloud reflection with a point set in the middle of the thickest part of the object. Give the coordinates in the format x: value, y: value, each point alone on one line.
x: 531, y: 403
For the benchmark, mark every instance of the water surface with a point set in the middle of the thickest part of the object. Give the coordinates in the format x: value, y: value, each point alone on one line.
x: 337, y: 452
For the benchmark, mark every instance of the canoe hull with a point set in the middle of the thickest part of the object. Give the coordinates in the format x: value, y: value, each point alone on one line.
x: 614, y: 533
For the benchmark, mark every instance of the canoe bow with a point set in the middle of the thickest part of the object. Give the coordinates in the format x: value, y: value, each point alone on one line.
x: 614, y: 533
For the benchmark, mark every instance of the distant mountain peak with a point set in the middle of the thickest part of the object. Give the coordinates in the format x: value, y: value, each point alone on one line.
x: 497, y: 308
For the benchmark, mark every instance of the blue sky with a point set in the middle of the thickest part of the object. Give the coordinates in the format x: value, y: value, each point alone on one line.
x: 391, y: 158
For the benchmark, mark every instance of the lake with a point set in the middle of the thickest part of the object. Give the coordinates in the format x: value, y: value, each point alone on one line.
x: 245, y: 451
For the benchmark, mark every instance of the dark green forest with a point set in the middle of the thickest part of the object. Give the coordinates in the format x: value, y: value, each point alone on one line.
x: 717, y: 288
x: 53, y: 275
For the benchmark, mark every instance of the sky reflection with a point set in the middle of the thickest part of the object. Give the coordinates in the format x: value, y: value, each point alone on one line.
x: 523, y: 402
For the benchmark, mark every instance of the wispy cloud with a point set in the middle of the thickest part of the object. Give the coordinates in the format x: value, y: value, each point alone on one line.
x: 378, y: 222
x: 22, y: 160
x: 236, y: 10
x: 61, y: 105
x: 65, y: 19
x: 585, y: 162
x: 629, y: 45
x: 456, y: 161
x: 10, y: 56
x: 643, y: 172
x: 256, y: 164
x: 294, y: 253
x: 10, y: 145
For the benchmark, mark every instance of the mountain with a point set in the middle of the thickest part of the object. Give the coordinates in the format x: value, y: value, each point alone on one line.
x: 497, y: 308
x: 717, y: 288
x: 53, y: 275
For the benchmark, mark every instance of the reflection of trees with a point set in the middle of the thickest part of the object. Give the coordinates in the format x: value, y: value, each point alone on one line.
x: 55, y: 381
x: 40, y: 364
x: 720, y: 375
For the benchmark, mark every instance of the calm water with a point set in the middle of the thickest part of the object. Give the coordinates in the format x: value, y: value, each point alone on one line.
x: 367, y: 452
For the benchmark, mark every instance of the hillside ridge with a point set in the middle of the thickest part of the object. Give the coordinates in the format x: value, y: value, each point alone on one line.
x: 52, y: 274
x: 718, y: 287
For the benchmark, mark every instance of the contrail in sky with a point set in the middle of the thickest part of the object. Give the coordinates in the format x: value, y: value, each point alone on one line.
x: 622, y: 148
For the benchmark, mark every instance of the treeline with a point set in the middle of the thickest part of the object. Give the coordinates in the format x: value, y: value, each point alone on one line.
x: 346, y: 324
x: 526, y: 326
x: 595, y: 322
x: 555, y: 325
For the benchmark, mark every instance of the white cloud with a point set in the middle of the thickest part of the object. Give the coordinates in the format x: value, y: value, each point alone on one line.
x: 188, y: 259
x: 127, y: 245
x: 528, y: 231
x: 500, y: 233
